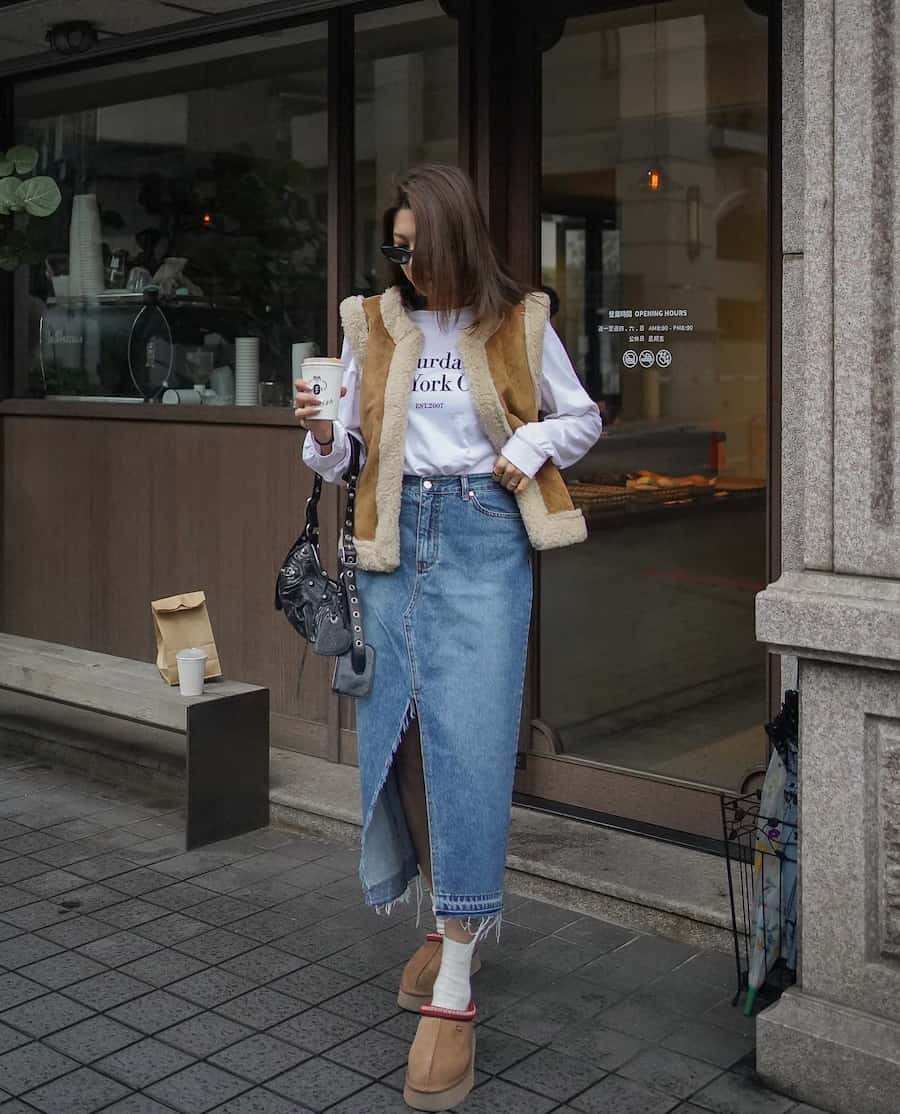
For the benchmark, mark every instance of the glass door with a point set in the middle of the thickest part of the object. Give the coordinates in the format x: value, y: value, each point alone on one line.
x: 651, y: 686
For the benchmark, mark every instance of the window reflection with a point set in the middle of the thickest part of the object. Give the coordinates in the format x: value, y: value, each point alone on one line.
x: 202, y: 174
x: 654, y: 237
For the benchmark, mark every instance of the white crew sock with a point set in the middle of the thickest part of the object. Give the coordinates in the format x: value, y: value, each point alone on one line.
x: 452, y: 989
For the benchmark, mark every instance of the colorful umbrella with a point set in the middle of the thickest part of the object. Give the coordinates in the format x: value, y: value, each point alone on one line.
x: 774, y: 921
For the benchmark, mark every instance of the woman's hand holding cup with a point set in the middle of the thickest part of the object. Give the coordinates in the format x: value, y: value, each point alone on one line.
x: 306, y: 406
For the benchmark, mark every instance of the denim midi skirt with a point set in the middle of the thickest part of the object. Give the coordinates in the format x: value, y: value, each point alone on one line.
x: 450, y: 633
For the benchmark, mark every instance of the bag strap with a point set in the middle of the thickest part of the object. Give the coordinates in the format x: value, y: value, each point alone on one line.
x: 346, y: 552
x: 311, y: 527
x: 347, y: 555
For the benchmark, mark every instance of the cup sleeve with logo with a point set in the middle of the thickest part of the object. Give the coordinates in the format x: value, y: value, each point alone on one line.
x: 571, y: 422
x: 332, y: 465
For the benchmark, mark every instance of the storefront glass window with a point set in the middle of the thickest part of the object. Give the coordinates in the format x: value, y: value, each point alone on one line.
x: 406, y: 112
x: 654, y: 237
x: 203, y: 174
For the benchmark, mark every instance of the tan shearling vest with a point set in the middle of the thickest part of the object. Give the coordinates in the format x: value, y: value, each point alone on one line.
x: 504, y: 372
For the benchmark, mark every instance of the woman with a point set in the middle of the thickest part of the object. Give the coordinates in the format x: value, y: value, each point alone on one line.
x: 445, y: 375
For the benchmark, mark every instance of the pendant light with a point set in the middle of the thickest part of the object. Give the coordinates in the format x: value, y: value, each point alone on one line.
x: 656, y: 179
x: 76, y: 36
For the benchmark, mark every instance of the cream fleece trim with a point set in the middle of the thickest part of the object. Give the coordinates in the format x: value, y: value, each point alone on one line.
x: 537, y: 314
x: 356, y: 327
x: 368, y: 557
x: 383, y: 554
x: 545, y: 530
x: 473, y: 349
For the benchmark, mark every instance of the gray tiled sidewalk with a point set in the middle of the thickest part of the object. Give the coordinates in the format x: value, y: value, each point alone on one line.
x: 247, y: 978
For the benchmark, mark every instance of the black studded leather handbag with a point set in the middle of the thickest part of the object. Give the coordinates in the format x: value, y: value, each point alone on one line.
x: 324, y: 611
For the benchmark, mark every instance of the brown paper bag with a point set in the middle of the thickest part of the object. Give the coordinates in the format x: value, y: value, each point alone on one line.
x: 181, y: 622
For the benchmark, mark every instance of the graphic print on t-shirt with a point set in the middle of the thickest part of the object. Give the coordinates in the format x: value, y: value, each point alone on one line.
x: 443, y: 432
x: 436, y: 378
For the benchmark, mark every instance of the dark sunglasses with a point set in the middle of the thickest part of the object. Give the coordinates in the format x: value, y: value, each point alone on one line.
x: 396, y: 254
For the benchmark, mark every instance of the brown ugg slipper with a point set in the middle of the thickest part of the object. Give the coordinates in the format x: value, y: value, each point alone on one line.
x: 441, y: 1068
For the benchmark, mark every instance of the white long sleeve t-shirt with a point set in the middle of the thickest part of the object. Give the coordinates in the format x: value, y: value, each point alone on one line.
x: 444, y: 436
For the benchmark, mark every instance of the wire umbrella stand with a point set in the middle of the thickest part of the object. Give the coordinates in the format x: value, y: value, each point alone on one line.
x: 759, y: 872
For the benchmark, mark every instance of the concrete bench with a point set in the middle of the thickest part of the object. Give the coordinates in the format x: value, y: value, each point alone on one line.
x: 226, y: 730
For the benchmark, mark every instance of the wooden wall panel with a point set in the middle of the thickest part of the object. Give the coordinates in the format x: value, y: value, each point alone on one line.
x: 102, y: 516
x: 119, y: 500
x: 47, y: 538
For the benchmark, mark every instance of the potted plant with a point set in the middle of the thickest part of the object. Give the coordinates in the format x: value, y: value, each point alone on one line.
x: 25, y: 202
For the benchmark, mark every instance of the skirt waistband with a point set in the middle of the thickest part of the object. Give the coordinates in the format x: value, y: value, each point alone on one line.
x: 449, y: 485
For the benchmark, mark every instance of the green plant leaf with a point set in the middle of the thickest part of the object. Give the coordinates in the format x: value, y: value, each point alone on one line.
x: 24, y: 159
x: 39, y: 197
x: 9, y: 195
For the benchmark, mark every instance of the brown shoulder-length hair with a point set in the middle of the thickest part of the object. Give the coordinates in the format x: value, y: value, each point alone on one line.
x: 454, y: 259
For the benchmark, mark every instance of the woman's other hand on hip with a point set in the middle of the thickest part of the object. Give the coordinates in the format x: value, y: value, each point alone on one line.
x: 508, y: 476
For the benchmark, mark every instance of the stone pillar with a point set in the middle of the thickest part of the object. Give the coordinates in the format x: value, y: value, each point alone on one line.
x: 834, y: 1040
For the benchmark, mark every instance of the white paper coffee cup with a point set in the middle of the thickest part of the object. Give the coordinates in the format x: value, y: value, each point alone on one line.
x: 325, y: 377
x: 191, y: 671
x: 173, y: 397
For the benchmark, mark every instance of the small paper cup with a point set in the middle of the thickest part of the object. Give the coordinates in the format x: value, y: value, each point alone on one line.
x: 191, y: 671
x: 325, y: 377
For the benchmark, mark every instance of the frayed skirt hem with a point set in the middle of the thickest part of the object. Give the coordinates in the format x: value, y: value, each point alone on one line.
x: 479, y: 918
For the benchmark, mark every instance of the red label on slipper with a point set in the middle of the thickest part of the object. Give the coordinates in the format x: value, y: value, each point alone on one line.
x: 428, y: 1010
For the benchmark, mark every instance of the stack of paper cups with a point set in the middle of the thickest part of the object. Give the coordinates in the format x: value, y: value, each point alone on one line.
x: 85, y: 248
x: 246, y: 371
x: 299, y: 353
